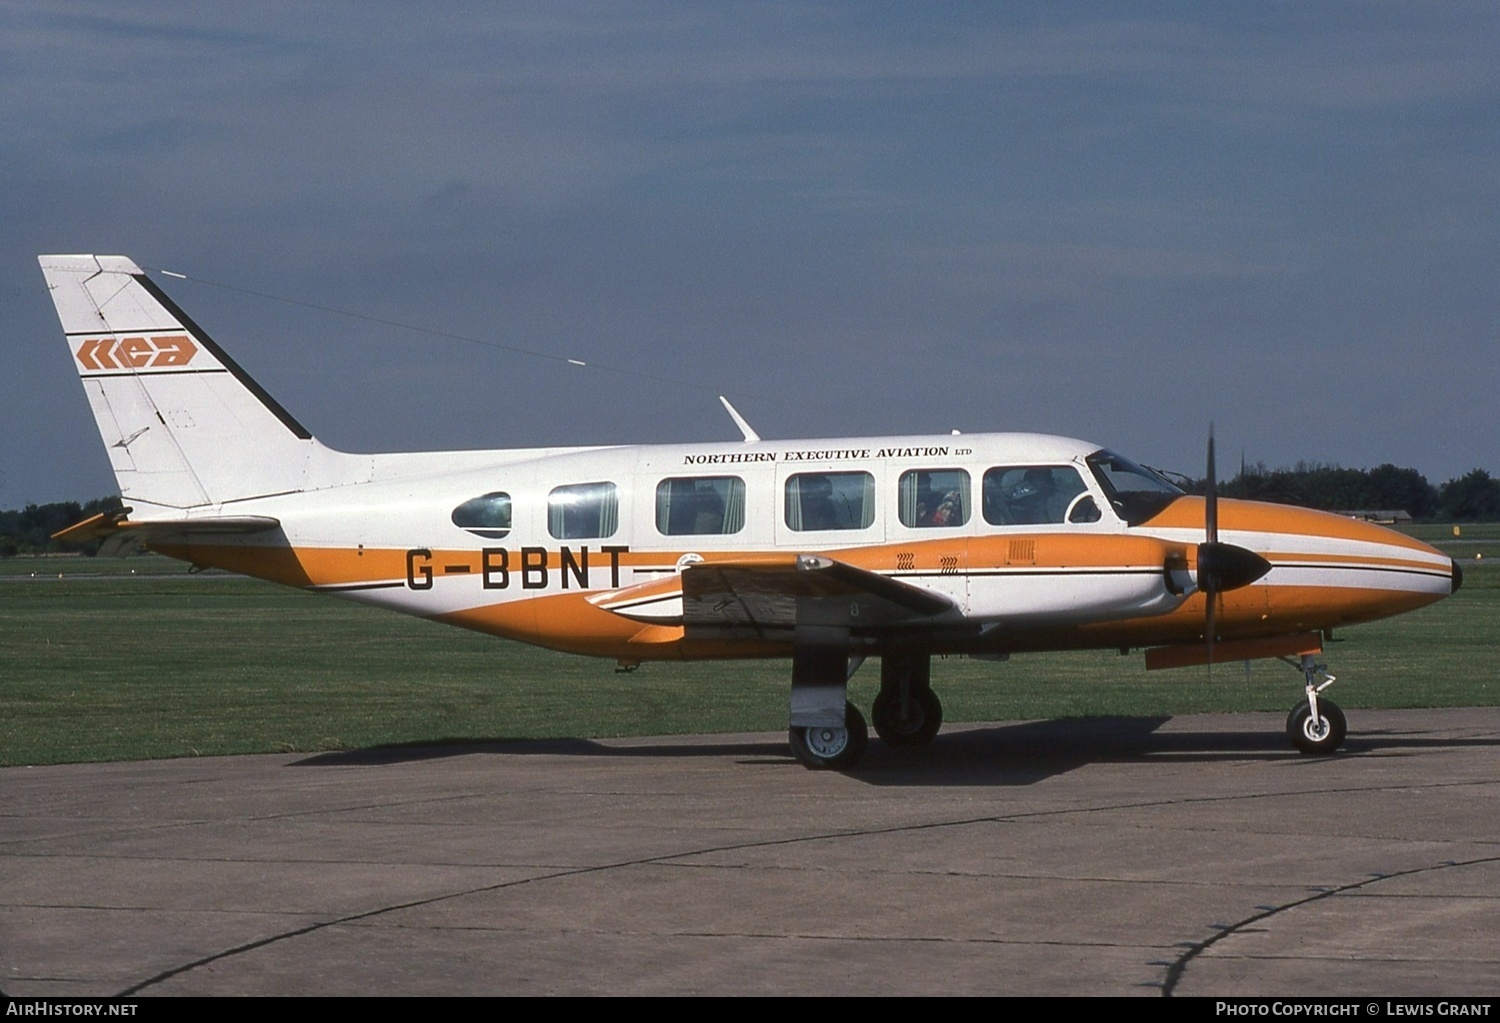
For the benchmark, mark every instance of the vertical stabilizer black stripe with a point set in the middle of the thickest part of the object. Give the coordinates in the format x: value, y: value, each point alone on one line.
x: 244, y: 378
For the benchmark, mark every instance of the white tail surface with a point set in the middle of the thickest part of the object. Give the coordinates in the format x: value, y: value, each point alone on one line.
x: 185, y: 427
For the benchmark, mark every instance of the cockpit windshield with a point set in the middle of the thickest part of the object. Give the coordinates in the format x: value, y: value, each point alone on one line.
x: 1135, y: 492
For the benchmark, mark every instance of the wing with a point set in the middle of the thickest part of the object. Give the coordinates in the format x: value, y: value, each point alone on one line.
x: 752, y: 596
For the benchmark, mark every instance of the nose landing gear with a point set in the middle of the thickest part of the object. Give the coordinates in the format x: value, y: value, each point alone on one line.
x: 1316, y: 726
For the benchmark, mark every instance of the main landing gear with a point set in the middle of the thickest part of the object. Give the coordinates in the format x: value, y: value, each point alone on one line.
x: 821, y: 747
x: 827, y: 731
x: 907, y: 712
x: 1316, y: 726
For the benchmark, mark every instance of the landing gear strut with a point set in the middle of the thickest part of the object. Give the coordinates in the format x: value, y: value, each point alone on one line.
x: 1316, y: 726
x: 827, y: 732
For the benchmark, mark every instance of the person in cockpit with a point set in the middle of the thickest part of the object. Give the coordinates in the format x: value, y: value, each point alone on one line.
x: 1031, y: 501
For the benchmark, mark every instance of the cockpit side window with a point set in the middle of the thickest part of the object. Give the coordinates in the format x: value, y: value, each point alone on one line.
x: 1036, y: 495
x: 1136, y: 493
x: 487, y: 516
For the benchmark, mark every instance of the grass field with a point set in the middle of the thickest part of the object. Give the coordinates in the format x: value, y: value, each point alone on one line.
x: 104, y: 659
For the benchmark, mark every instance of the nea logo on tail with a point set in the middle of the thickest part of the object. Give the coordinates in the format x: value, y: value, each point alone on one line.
x: 167, y: 351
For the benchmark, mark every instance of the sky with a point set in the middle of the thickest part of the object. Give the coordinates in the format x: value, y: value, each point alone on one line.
x: 1113, y: 221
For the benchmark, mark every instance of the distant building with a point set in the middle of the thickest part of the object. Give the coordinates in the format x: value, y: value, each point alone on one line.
x: 1384, y: 516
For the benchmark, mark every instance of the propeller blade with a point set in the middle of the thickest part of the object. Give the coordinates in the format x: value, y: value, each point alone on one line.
x: 1211, y: 494
x: 1210, y: 600
x: 1221, y: 566
x: 1207, y: 576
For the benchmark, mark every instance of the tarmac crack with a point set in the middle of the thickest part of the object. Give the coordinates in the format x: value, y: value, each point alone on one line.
x: 893, y: 939
x: 1176, y: 970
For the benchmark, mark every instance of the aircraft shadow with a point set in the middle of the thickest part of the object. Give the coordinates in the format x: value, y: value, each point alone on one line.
x: 1007, y: 754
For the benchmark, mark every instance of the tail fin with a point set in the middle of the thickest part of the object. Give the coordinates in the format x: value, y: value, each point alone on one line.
x: 184, y: 425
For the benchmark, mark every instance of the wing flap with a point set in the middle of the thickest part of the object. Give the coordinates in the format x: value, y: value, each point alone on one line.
x: 746, y: 596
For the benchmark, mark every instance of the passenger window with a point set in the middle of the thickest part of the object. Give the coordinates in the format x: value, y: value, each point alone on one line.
x: 700, y: 506
x: 487, y: 516
x: 830, y: 500
x: 1036, y: 495
x: 583, y: 511
x: 934, y: 498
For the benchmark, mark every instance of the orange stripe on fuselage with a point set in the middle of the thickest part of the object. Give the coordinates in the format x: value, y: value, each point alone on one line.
x: 1263, y: 611
x: 339, y: 566
x: 1243, y: 614
x: 575, y: 626
x: 296, y: 566
x: 567, y: 621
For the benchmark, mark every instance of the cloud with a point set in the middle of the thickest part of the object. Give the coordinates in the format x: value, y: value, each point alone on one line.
x: 877, y: 215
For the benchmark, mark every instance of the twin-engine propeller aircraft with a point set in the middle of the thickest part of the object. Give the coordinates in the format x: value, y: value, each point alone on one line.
x: 824, y: 551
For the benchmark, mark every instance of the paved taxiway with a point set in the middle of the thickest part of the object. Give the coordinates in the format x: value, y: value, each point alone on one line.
x: 1193, y: 855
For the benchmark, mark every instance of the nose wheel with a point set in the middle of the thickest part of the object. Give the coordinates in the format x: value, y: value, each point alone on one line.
x: 1322, y: 733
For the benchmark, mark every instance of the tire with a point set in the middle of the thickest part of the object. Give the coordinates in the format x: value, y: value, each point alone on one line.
x: 918, y: 728
x: 1323, y: 737
x: 822, y: 748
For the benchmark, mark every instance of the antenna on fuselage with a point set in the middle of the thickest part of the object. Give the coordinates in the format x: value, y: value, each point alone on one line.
x: 751, y: 437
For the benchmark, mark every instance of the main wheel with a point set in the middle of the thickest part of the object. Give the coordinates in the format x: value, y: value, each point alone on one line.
x: 924, y: 716
x: 1325, y: 735
x: 825, y: 748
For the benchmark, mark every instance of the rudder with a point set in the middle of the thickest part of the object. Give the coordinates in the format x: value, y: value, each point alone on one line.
x: 184, y: 425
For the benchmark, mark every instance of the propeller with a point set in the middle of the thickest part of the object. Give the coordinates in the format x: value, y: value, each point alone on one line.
x: 1221, y: 566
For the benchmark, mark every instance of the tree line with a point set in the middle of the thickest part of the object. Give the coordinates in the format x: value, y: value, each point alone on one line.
x: 1473, y: 497
x: 29, y: 531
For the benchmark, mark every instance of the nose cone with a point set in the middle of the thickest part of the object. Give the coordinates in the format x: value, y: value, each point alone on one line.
x: 1458, y: 577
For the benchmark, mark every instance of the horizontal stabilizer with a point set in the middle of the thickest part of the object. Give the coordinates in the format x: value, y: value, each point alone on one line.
x: 119, y: 534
